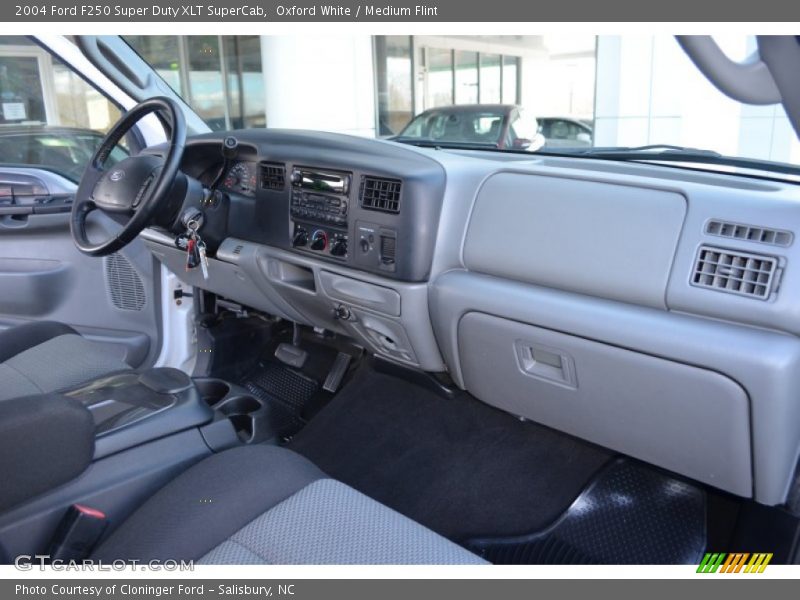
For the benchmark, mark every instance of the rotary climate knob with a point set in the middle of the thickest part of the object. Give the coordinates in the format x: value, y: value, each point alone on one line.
x: 319, y: 241
x: 300, y: 237
x: 339, y: 247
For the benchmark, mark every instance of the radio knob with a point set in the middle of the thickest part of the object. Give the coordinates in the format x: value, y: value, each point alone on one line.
x: 300, y: 237
x: 339, y: 247
x: 319, y: 241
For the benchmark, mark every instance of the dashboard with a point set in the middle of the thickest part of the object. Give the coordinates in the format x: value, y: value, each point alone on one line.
x: 373, y: 208
x: 651, y: 310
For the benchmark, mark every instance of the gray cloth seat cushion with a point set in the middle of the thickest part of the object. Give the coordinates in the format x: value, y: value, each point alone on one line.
x: 268, y: 505
x: 44, y: 357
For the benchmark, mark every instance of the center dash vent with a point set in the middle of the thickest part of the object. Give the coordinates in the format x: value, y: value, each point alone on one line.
x: 750, y: 233
x: 735, y: 272
x: 273, y: 176
x: 380, y: 194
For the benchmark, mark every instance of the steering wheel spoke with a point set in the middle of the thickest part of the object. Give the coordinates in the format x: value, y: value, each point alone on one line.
x: 133, y: 190
x: 121, y: 218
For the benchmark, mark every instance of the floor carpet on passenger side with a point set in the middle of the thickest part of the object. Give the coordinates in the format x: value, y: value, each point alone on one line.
x: 458, y: 466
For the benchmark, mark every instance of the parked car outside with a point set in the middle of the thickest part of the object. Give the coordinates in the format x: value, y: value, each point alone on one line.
x: 566, y: 132
x: 503, y: 126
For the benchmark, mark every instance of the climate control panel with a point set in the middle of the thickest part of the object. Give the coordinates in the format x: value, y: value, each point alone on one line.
x: 320, y: 240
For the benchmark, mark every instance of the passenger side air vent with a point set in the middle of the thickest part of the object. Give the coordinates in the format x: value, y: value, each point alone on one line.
x: 735, y: 272
x: 273, y: 176
x: 750, y: 233
x: 125, y: 287
x: 380, y: 194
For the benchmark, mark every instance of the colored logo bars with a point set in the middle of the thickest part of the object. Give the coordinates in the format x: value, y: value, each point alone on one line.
x: 741, y: 562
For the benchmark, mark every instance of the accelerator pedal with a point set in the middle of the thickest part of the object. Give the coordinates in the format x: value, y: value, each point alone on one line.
x: 337, y: 372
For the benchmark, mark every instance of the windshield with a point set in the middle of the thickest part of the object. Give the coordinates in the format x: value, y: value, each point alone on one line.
x: 562, y: 94
x: 551, y: 93
x: 220, y: 77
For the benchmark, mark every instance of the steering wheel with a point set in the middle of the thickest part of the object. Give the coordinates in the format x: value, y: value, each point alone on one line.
x: 134, y: 190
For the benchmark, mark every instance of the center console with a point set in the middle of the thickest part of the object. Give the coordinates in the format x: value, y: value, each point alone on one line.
x: 132, y: 408
x: 148, y: 428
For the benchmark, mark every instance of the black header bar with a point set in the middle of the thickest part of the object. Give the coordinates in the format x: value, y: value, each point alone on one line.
x: 515, y: 11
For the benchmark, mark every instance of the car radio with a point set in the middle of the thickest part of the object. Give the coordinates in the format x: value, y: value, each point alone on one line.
x: 320, y: 196
x: 319, y: 209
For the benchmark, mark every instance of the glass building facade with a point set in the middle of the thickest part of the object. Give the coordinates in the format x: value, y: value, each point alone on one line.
x: 607, y: 90
x: 220, y: 76
x: 412, y: 77
x: 36, y: 88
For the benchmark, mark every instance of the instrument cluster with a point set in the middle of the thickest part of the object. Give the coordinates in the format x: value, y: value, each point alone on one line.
x: 241, y: 178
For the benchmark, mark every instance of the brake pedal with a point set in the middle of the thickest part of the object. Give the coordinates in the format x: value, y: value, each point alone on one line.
x: 336, y: 374
x: 291, y: 355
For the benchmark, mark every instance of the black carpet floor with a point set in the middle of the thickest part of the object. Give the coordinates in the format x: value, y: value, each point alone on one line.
x: 458, y: 466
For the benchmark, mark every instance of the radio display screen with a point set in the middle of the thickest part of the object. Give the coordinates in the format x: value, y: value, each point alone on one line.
x: 321, y: 181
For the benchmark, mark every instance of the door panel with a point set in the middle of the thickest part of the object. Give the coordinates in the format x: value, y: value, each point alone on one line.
x: 25, y: 285
x: 52, y: 121
x: 44, y: 277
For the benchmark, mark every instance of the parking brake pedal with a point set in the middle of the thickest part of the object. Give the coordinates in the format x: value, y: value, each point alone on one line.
x: 336, y: 374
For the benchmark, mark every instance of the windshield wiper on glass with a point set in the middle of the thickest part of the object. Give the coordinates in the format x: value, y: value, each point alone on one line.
x: 651, y: 150
x: 669, y: 153
x: 428, y: 143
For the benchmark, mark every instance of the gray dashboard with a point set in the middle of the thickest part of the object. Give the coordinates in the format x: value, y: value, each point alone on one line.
x: 389, y: 199
x: 649, y: 309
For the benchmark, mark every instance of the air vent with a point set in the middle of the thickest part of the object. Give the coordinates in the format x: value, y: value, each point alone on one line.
x: 735, y: 272
x: 125, y: 287
x: 750, y: 233
x: 273, y: 176
x: 380, y: 194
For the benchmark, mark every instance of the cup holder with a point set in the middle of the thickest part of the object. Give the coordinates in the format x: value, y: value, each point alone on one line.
x: 240, y: 411
x: 239, y: 405
x: 212, y: 390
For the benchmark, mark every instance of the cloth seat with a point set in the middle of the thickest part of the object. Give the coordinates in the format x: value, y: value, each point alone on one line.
x: 268, y: 505
x: 44, y: 357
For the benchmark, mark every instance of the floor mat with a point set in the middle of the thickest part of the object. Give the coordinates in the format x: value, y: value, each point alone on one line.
x: 630, y: 514
x: 282, y: 383
x: 458, y: 466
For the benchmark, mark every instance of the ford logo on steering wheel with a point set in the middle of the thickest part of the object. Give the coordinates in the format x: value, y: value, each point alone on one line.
x: 117, y: 175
